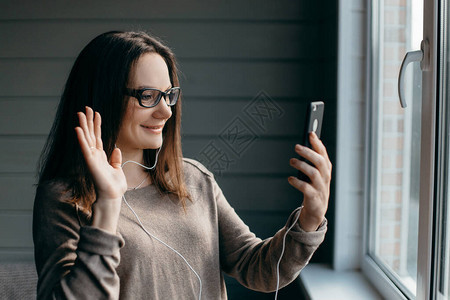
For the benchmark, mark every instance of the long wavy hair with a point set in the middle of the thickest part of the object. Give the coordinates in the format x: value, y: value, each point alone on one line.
x: 98, y: 79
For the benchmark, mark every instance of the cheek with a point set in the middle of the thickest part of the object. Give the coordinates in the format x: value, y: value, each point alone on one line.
x: 126, y: 126
x: 129, y: 117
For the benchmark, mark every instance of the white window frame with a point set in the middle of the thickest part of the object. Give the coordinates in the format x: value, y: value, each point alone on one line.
x: 373, y: 271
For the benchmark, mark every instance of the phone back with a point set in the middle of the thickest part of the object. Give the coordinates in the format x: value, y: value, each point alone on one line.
x: 314, y: 119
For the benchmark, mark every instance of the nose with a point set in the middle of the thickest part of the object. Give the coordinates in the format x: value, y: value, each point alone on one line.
x: 162, y: 110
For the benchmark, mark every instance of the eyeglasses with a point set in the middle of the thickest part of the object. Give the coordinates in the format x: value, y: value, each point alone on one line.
x: 150, y: 97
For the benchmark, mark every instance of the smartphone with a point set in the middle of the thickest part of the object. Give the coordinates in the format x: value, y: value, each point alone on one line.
x: 314, y: 117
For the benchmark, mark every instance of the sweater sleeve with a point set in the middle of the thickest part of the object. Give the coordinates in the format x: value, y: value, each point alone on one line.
x: 253, y: 261
x: 72, y: 261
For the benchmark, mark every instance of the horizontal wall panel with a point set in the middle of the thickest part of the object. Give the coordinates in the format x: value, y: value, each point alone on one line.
x: 46, y: 77
x: 243, y: 192
x: 14, y: 255
x: 35, y: 115
x: 246, y: 79
x: 17, y: 192
x: 199, y: 39
x: 34, y: 77
x: 20, y: 154
x: 16, y: 230
x: 281, y: 118
x: 264, y: 156
x: 27, y: 116
x: 161, y: 9
x: 259, y: 194
x: 264, y: 224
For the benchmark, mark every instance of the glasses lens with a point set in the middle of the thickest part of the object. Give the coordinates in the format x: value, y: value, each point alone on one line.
x: 173, y: 96
x: 149, y: 97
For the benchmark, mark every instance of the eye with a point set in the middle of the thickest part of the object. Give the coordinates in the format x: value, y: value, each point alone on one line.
x: 149, y: 95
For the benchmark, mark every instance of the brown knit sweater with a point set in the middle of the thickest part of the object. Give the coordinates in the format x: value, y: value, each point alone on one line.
x: 77, y: 261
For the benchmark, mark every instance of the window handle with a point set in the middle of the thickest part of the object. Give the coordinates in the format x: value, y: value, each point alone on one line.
x: 421, y: 55
x: 411, y: 56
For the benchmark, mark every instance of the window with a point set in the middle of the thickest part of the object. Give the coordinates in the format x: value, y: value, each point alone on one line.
x: 440, y: 266
x: 395, y: 149
x: 407, y: 246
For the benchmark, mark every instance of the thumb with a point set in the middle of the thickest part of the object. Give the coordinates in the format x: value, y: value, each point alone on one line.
x: 116, y: 158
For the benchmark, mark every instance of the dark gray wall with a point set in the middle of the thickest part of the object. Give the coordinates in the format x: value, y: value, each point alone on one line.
x: 328, y: 18
x: 228, y: 53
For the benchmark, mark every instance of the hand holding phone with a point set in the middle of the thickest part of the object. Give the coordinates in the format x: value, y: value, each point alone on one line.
x: 314, y: 119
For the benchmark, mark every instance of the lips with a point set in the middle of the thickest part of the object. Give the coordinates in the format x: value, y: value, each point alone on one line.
x: 153, y: 127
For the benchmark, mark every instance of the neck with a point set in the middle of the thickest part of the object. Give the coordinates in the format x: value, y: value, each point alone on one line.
x: 135, y: 174
x: 137, y: 156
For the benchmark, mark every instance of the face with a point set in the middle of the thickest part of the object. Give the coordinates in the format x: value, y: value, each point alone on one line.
x: 142, y: 127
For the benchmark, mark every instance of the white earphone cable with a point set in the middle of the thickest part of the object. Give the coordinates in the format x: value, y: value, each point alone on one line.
x: 151, y: 235
x: 178, y: 253
x: 182, y: 257
x: 282, y: 253
x: 145, y: 167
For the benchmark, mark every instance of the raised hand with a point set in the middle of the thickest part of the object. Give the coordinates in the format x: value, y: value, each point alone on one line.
x: 109, y: 179
x: 316, y: 193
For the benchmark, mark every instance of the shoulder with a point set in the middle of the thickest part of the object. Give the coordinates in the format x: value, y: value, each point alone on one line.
x: 52, y: 190
x: 59, y: 186
x: 52, y: 195
x: 193, y: 166
x: 196, y: 173
x: 55, y: 213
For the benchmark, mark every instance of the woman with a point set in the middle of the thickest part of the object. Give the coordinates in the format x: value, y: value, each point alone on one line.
x: 118, y: 211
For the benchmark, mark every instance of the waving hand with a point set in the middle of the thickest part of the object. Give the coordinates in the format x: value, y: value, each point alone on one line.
x: 109, y: 179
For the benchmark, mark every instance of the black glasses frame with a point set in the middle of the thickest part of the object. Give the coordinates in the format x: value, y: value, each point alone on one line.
x: 138, y: 95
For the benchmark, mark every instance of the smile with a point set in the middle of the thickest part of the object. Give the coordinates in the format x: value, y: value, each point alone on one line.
x: 153, y: 129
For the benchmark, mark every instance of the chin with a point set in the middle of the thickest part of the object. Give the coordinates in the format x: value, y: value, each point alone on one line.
x: 154, y: 145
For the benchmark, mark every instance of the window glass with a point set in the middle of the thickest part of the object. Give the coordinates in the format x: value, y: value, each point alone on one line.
x: 396, y: 147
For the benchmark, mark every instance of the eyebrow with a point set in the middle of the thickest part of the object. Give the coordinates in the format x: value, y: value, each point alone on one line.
x: 151, y: 87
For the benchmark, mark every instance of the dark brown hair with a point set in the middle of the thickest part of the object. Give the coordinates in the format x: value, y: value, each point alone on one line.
x: 98, y: 79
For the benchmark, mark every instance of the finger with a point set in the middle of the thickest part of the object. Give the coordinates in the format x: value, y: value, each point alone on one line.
x: 320, y: 162
x: 301, y: 185
x: 84, y: 127
x: 90, y: 123
x: 320, y: 148
x: 317, y: 145
x: 85, y: 148
x: 116, y: 158
x: 312, y: 173
x: 98, y: 131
